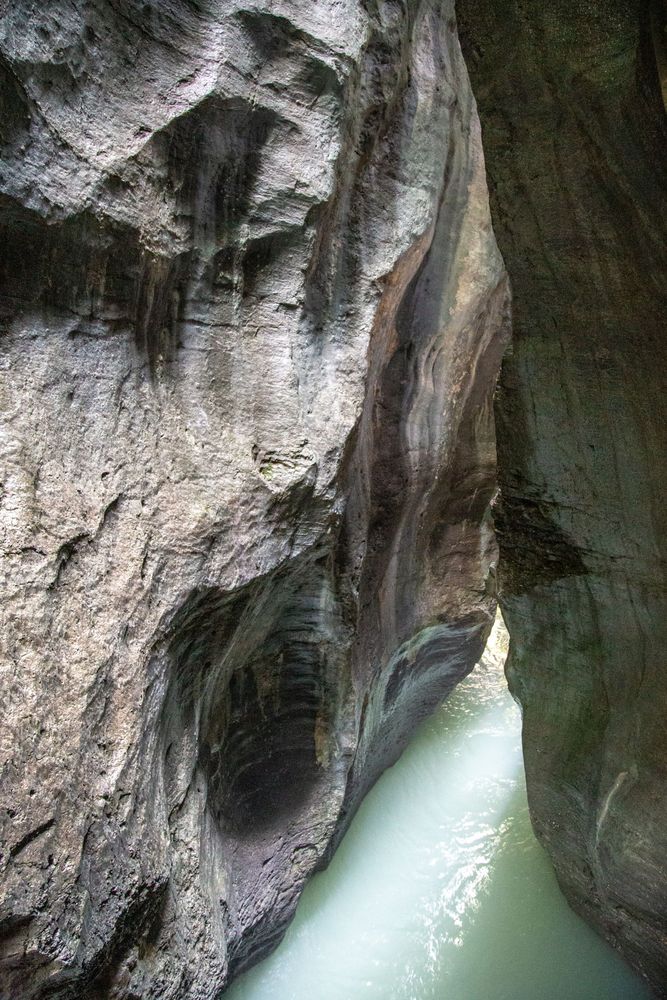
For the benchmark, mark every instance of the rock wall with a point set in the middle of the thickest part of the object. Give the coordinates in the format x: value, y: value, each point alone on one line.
x: 575, y: 138
x: 252, y: 313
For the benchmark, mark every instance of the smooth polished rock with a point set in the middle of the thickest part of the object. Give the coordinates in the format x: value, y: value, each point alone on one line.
x: 575, y: 137
x: 252, y: 315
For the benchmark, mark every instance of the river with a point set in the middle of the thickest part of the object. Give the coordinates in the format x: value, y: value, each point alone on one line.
x: 439, y: 890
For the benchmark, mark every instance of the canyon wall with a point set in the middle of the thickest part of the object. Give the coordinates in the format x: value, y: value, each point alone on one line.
x: 252, y: 314
x: 574, y: 132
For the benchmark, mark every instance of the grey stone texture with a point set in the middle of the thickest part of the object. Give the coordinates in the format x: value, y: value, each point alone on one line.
x: 575, y: 138
x: 252, y: 314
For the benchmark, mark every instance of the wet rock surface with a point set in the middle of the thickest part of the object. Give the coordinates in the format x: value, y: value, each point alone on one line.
x: 252, y: 312
x: 575, y: 140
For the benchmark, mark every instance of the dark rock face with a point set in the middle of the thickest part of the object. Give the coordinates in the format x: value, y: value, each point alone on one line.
x: 576, y: 145
x: 252, y: 314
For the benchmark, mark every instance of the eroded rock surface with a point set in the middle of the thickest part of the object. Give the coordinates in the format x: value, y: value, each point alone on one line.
x: 575, y: 139
x: 252, y: 314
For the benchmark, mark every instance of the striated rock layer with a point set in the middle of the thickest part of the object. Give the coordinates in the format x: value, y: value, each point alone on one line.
x: 575, y: 137
x: 252, y: 312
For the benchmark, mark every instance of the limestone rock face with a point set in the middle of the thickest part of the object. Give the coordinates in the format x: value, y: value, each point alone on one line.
x: 252, y: 312
x: 575, y: 139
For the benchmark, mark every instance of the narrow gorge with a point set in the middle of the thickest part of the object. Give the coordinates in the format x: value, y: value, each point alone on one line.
x: 258, y: 342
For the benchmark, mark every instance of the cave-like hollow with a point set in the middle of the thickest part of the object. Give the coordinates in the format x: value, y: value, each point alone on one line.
x: 254, y: 687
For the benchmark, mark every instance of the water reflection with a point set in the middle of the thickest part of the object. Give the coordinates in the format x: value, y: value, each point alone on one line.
x: 439, y: 890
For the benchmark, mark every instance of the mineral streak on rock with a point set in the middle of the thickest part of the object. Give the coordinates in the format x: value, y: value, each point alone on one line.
x: 252, y: 315
x: 575, y: 139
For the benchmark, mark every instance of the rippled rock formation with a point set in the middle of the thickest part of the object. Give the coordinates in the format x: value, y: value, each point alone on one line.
x: 252, y: 316
x: 575, y: 138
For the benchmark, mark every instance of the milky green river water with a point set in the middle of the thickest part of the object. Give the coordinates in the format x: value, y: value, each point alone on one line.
x: 439, y: 890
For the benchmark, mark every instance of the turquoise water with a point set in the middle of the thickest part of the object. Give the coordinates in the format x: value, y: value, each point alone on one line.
x: 439, y: 890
